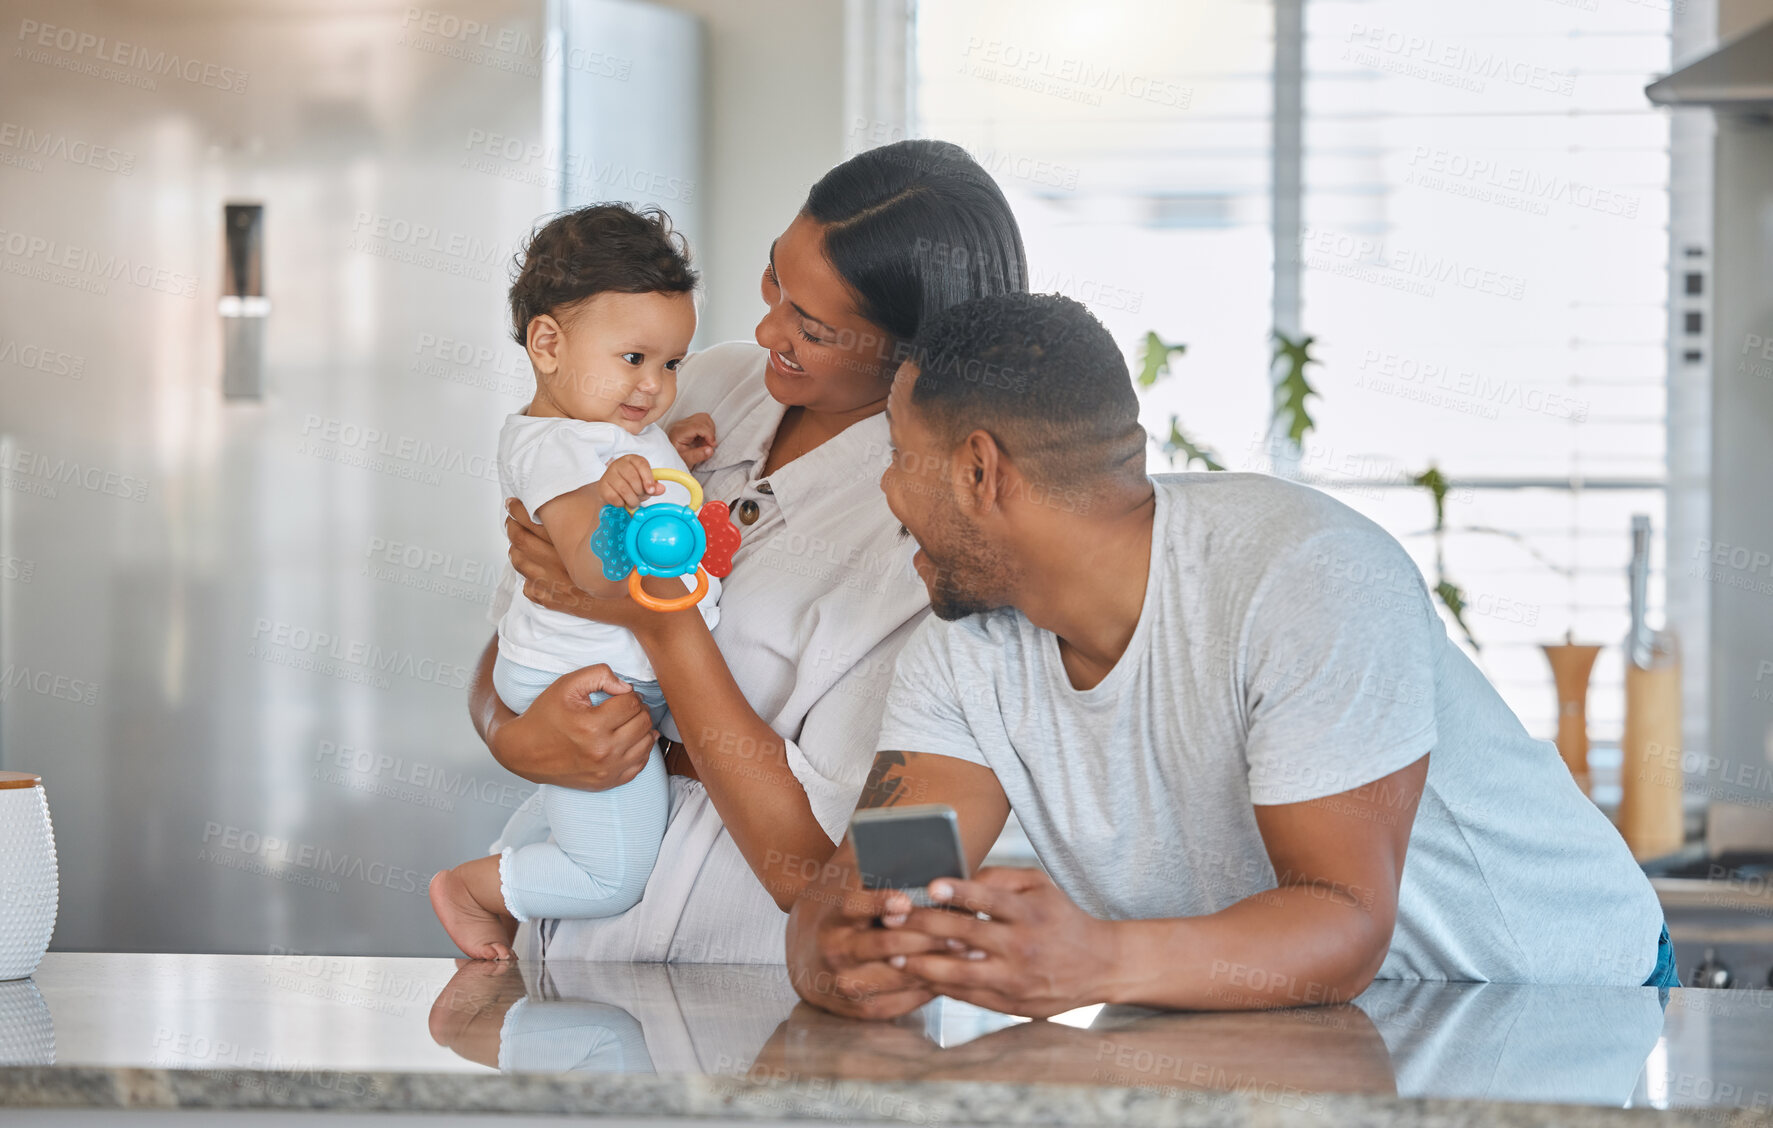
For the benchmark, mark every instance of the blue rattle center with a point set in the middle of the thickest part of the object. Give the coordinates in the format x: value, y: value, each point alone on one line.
x: 665, y: 544
x: 666, y: 540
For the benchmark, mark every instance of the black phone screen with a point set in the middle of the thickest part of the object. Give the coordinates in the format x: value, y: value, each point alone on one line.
x: 907, y: 853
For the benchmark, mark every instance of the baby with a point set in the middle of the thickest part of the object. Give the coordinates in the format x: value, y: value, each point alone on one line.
x: 604, y: 303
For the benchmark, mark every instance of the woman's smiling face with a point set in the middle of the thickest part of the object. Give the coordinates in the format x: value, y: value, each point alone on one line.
x: 824, y: 355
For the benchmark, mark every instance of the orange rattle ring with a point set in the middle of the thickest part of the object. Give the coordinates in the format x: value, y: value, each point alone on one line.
x: 652, y: 602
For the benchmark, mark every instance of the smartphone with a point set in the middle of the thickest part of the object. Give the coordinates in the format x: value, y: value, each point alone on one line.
x: 908, y: 847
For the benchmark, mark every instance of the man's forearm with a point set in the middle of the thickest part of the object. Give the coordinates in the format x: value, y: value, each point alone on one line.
x: 739, y: 758
x: 1298, y: 945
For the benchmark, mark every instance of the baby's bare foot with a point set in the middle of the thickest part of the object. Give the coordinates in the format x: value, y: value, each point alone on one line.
x: 479, y: 932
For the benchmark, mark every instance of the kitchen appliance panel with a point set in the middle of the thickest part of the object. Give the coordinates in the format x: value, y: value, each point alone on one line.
x: 235, y: 633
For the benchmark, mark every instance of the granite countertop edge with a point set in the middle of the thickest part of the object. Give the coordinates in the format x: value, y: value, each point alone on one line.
x: 811, y: 1098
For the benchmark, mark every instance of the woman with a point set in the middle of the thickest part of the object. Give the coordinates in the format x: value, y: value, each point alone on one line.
x: 778, y: 707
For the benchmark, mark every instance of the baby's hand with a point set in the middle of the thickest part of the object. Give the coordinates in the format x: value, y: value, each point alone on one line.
x: 693, y: 437
x: 628, y: 482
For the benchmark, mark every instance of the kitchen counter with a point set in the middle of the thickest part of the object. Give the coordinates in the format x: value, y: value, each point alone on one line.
x: 356, y: 1036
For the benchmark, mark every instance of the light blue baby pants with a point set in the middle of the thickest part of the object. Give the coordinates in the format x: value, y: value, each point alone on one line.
x: 604, y: 842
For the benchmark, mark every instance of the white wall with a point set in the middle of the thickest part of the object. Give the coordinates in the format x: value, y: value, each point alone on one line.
x: 775, y: 125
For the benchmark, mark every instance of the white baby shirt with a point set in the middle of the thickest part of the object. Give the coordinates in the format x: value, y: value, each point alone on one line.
x: 540, y: 459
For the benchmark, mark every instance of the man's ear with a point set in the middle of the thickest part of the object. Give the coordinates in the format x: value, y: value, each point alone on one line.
x: 979, y: 464
x: 544, y: 343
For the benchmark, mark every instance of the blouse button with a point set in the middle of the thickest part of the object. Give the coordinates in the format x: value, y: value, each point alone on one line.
x: 748, y: 512
x: 765, y: 488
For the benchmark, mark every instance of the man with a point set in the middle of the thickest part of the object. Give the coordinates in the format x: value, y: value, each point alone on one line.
x: 1255, y: 767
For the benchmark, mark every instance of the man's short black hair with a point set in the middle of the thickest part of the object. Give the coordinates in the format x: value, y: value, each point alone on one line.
x: 1042, y: 376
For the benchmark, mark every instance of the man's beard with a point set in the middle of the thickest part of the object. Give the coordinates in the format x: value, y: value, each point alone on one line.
x: 967, y: 575
x: 950, y: 602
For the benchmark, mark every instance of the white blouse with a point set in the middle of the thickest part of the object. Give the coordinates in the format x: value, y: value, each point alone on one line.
x: 821, y: 597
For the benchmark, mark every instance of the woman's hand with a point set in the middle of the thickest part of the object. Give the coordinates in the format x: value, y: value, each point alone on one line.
x: 564, y: 739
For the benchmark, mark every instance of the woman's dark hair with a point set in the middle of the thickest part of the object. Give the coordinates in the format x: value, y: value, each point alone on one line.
x: 915, y: 227
x: 603, y: 248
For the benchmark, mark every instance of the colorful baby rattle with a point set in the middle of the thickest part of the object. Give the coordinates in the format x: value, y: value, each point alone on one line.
x: 666, y: 539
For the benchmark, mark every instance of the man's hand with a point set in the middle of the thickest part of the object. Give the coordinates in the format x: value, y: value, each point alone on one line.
x: 628, y: 481
x: 693, y: 436
x: 1038, y: 954
x: 836, y: 957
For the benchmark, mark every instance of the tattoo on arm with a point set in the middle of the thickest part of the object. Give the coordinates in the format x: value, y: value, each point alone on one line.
x: 885, y: 786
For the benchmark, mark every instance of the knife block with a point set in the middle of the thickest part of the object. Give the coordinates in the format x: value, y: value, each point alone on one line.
x: 1650, y: 775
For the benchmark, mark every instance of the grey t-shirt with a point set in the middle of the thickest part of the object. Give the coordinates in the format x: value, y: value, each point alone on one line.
x: 1287, y: 650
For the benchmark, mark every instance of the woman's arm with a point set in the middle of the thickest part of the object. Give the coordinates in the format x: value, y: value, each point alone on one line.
x: 562, y: 738
x: 738, y: 757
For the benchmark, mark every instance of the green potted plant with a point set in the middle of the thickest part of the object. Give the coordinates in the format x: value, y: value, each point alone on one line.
x: 1291, y: 417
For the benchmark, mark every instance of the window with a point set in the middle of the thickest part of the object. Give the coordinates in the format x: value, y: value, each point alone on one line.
x: 1482, y: 194
x: 1485, y: 261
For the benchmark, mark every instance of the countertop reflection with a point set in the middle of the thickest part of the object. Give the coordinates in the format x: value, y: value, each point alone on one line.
x: 92, y: 1030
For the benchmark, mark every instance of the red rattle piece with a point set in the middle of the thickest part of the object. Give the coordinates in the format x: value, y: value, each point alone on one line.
x: 723, y: 539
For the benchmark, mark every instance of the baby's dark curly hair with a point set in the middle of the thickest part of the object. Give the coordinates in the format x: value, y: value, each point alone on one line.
x: 602, y: 248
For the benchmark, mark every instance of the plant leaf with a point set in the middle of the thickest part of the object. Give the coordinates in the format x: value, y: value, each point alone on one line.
x: 1435, y: 483
x: 1156, y: 360
x: 1291, y: 392
x: 1454, y: 600
x: 1180, y: 444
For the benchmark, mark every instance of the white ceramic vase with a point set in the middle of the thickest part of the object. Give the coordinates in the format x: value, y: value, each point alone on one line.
x: 28, y: 885
x: 27, y: 1034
